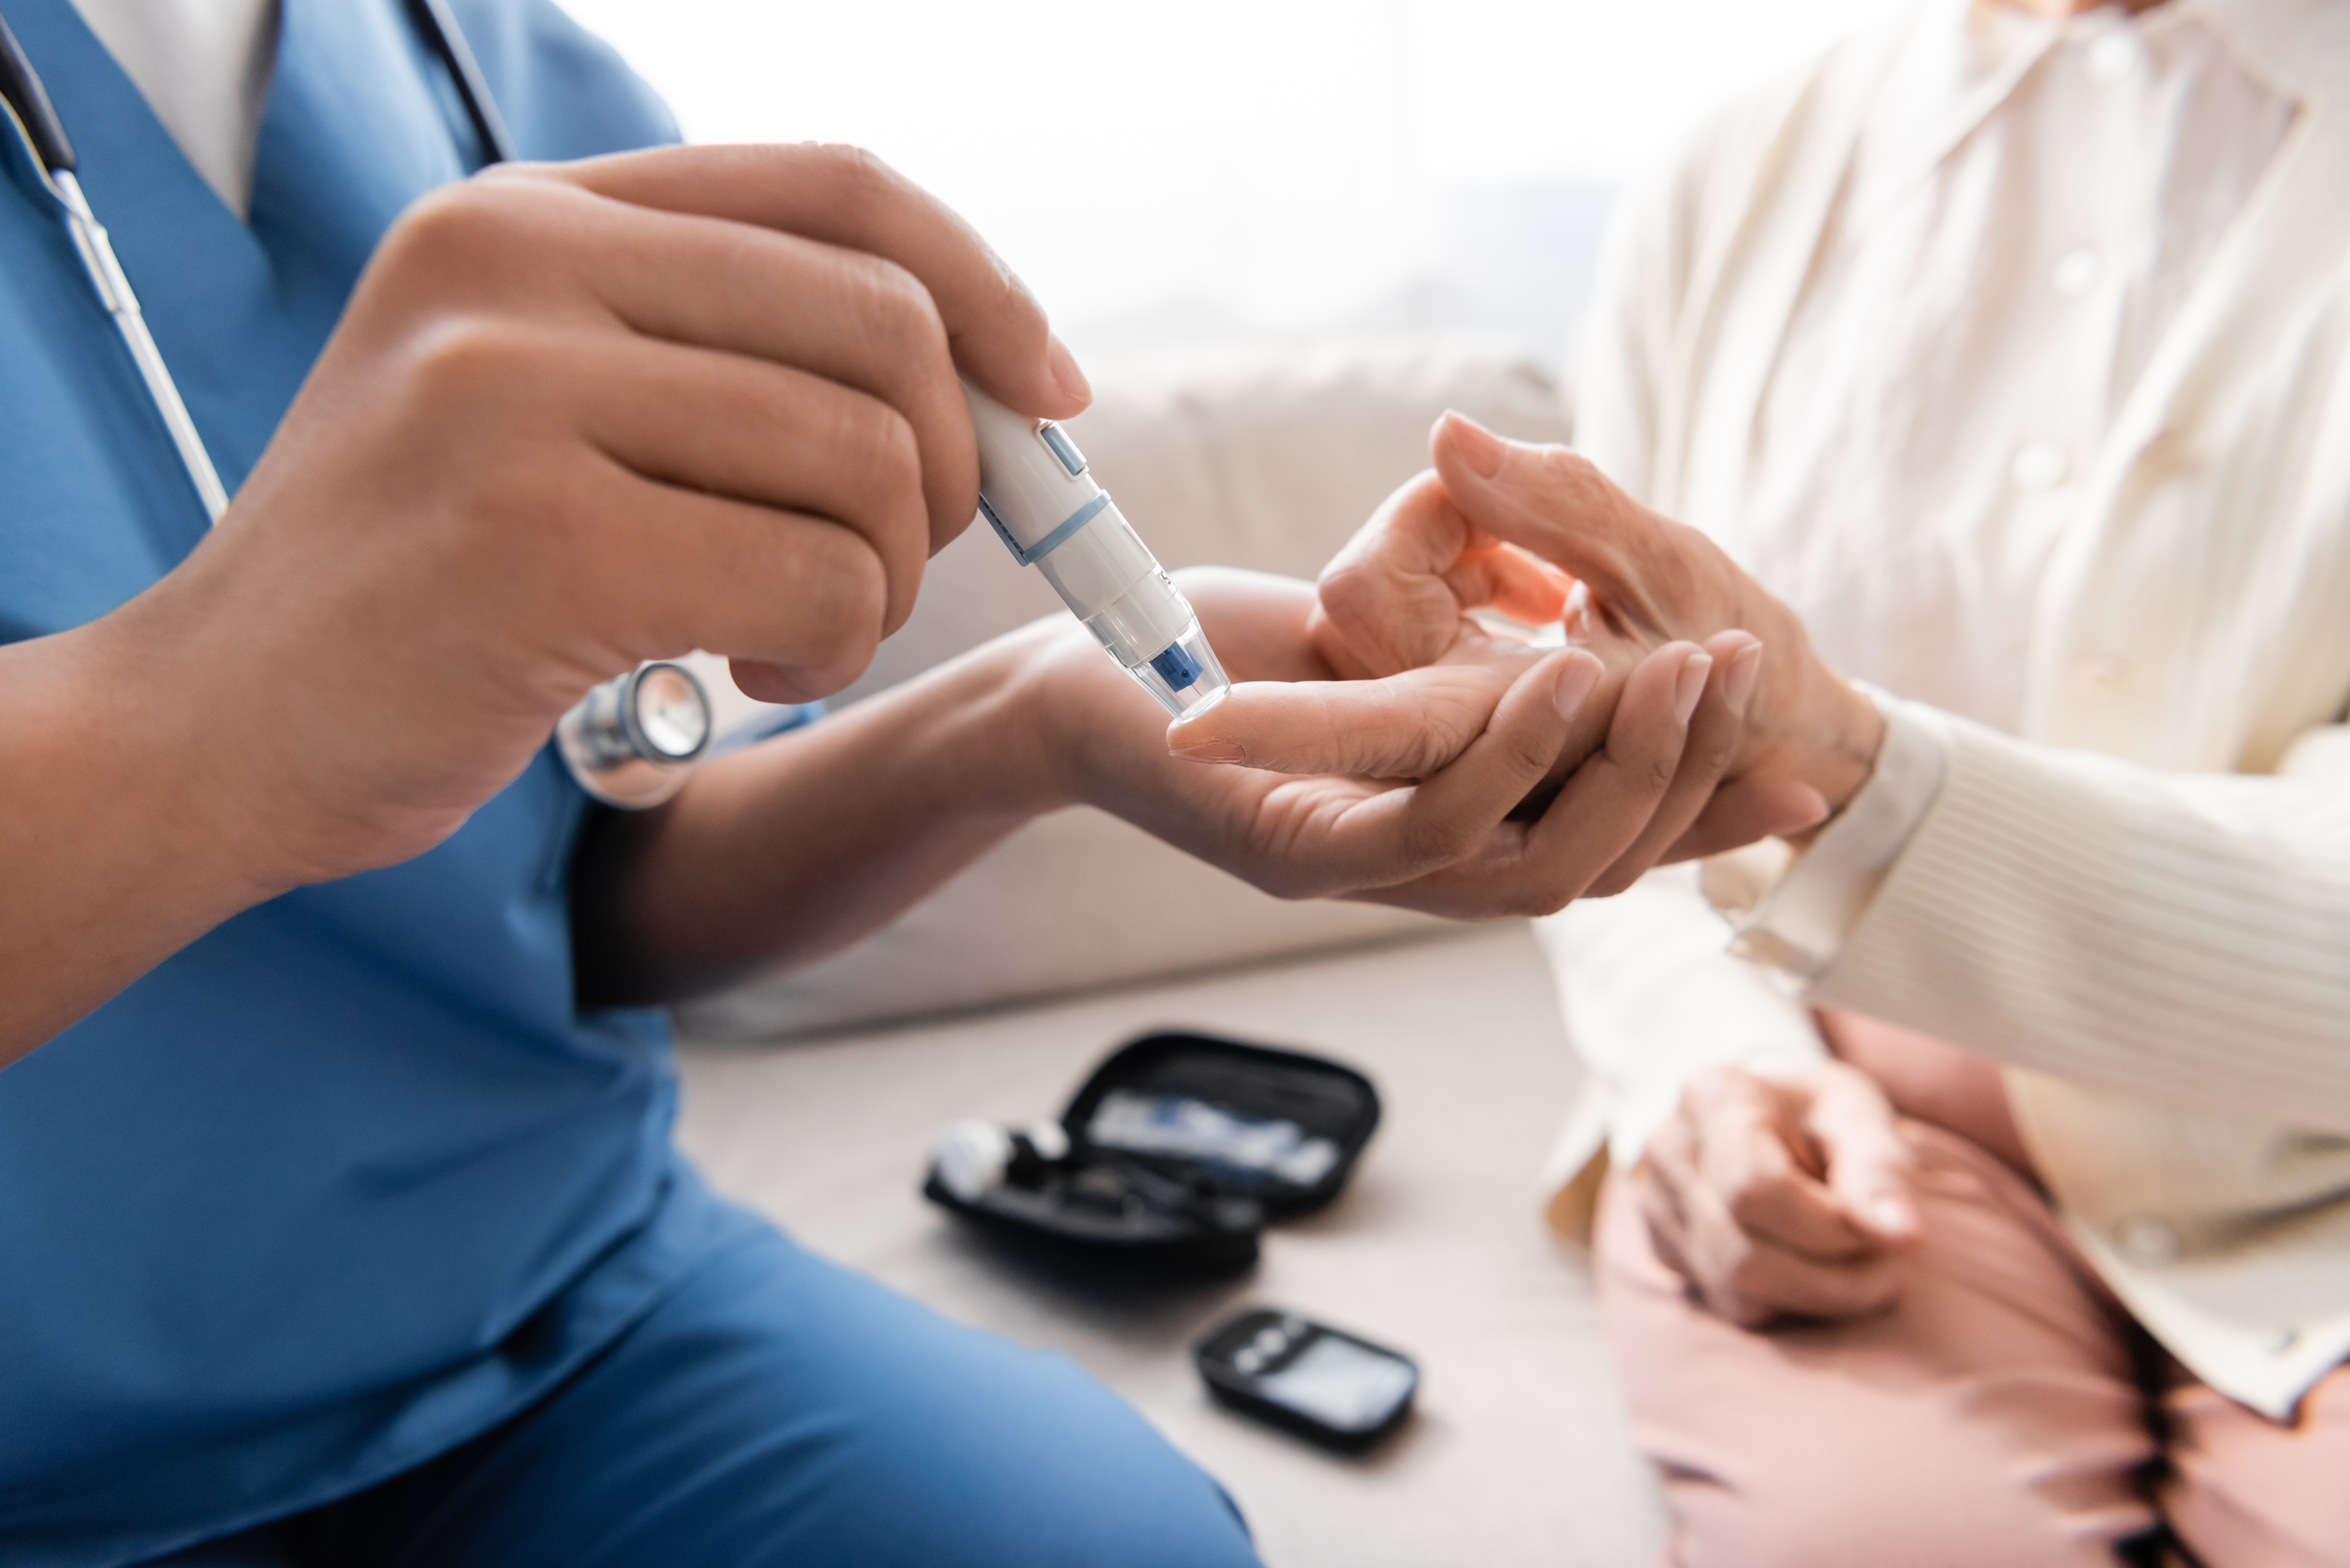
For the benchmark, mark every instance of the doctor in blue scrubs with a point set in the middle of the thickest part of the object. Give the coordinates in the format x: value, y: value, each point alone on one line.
x: 339, y: 1217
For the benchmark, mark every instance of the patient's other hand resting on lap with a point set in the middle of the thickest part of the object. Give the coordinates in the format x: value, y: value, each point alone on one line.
x: 1781, y: 1194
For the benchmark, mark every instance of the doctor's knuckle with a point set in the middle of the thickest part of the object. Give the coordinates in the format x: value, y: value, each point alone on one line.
x: 1652, y: 775
x: 1528, y: 752
x: 475, y: 228
x: 859, y: 179
x: 874, y: 441
x: 842, y: 595
x: 476, y: 359
x: 897, y: 315
x: 1434, y: 838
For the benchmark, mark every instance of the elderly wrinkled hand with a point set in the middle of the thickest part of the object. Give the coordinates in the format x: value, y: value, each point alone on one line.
x: 1778, y: 1195
x: 1810, y: 739
x: 1407, y: 611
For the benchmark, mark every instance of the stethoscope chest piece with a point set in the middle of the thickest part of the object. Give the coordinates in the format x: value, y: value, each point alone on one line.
x: 632, y: 741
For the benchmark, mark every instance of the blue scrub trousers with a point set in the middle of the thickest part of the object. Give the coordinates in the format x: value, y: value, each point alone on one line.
x: 777, y: 1409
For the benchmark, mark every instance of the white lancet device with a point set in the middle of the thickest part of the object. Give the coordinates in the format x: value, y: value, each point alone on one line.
x: 1034, y: 491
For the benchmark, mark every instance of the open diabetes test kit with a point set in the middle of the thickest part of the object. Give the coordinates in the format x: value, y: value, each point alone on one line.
x: 1174, y: 1155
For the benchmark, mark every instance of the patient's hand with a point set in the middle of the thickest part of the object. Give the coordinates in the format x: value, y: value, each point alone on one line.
x: 1407, y: 603
x: 1651, y: 578
x: 1781, y: 1194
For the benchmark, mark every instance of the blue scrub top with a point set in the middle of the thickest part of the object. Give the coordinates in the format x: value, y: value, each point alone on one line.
x: 349, y: 1179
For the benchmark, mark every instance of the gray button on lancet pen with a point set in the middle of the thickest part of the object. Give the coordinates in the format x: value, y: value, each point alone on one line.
x: 1063, y: 448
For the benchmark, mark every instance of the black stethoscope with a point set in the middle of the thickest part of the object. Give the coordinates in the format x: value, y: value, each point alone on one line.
x: 629, y: 743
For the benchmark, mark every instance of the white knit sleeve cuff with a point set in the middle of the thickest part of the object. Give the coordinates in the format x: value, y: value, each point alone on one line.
x: 1803, y: 919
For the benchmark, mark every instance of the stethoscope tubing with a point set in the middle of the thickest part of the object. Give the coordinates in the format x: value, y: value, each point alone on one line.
x: 34, y: 119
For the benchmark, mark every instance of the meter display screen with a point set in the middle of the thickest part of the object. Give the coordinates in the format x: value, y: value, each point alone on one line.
x: 1339, y: 1382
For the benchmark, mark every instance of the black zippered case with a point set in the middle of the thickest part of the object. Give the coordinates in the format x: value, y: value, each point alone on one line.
x: 1182, y: 1147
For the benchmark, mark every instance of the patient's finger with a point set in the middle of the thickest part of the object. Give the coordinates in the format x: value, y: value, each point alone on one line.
x: 1746, y: 1159
x: 1774, y: 1199
x: 1870, y: 1167
x: 1649, y: 571
x: 1715, y: 730
x: 1769, y: 1282
x: 1506, y: 579
x: 1394, y: 594
x: 1404, y: 726
x: 1383, y: 594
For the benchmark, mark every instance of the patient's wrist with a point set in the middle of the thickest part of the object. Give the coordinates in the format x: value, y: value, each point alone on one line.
x: 1825, y: 735
x: 1846, y: 750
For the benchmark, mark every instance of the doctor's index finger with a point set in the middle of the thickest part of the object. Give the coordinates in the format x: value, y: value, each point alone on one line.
x: 845, y: 196
x: 1401, y: 726
x: 1405, y: 845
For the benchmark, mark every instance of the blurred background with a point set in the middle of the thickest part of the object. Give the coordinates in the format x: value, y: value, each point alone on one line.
x: 1244, y: 170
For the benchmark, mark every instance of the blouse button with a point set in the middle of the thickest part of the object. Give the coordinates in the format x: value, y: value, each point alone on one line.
x: 2039, y: 467
x: 2075, y: 274
x: 2111, y: 57
x: 2145, y: 1240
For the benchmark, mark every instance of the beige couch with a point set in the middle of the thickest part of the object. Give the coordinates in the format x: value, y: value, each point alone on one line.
x: 815, y: 1094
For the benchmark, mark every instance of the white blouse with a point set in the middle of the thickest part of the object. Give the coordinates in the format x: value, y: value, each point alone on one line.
x: 2015, y: 354
x: 2032, y: 199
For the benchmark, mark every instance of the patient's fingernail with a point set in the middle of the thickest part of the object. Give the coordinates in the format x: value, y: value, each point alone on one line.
x: 1689, y: 685
x: 1738, y: 684
x: 1065, y: 374
x: 1485, y: 450
x: 1576, y: 683
x: 1206, y: 751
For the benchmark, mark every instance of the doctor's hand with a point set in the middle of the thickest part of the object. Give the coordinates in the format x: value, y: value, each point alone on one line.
x: 1784, y: 1194
x: 574, y: 417
x: 578, y: 416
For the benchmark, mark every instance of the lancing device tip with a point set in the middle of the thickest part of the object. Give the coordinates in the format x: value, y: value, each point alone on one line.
x: 1036, y: 492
